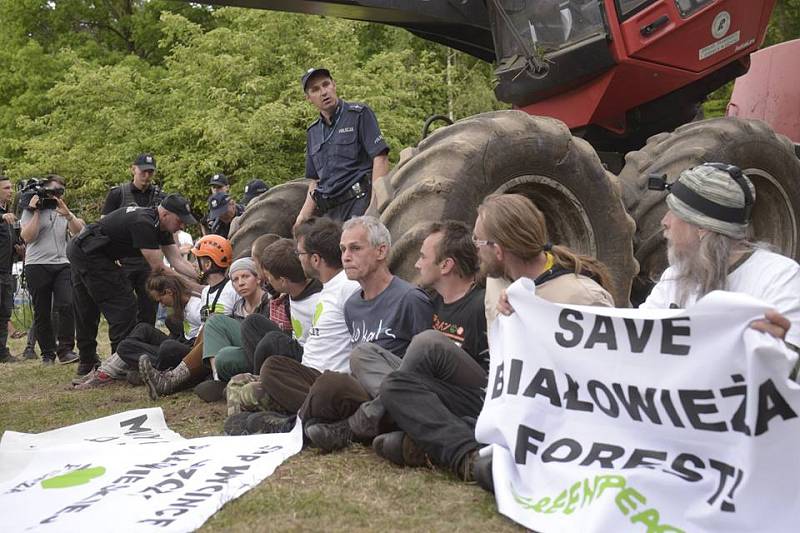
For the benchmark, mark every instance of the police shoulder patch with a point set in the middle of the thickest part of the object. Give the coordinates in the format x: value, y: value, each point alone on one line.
x: 358, y: 108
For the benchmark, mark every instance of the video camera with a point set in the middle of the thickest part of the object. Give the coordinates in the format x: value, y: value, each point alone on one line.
x: 47, y: 197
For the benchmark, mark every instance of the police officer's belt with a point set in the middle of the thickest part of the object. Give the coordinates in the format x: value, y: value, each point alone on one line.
x: 357, y: 190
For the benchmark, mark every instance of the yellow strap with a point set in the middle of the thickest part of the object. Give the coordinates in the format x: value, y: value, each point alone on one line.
x: 549, y: 264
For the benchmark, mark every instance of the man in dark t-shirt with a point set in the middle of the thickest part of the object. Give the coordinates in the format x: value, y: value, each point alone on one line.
x: 438, y: 391
x: 100, y: 285
x: 382, y: 318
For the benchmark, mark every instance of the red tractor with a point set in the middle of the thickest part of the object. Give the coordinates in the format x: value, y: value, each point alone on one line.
x: 625, y: 80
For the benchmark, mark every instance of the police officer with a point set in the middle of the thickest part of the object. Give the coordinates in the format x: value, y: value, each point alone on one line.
x: 140, y: 191
x: 100, y: 285
x: 222, y: 209
x: 219, y: 183
x: 345, y: 152
x: 8, y: 240
x: 252, y: 190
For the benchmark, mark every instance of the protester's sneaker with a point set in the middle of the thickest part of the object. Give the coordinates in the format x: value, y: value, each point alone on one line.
x: 329, y: 437
x: 162, y: 383
x: 77, y: 380
x: 97, y: 379
x: 67, y: 357
x: 48, y: 361
x: 8, y: 358
x: 133, y: 377
x: 400, y: 449
x: 269, y: 422
x: 481, y: 467
x: 29, y: 353
x: 236, y: 425
x: 210, y: 391
x: 84, y: 367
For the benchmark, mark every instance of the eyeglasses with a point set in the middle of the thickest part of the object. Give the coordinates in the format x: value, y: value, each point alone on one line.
x: 299, y: 253
x: 481, y: 242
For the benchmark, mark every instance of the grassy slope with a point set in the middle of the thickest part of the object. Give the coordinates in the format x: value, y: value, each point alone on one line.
x: 352, y: 490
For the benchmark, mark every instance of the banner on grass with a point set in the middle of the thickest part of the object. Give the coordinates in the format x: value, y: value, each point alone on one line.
x: 645, y: 421
x: 129, y: 472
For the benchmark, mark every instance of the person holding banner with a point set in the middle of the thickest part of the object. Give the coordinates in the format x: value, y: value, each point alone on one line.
x: 435, y: 405
x: 708, y: 215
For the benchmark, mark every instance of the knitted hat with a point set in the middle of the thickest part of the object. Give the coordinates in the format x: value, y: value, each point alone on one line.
x: 717, y: 200
x: 245, y: 263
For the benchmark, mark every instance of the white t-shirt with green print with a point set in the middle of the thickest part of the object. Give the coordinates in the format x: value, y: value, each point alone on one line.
x: 223, y: 305
x: 302, y: 311
x: 329, y: 341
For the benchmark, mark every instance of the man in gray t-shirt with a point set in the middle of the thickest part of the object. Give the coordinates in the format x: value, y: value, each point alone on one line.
x: 382, y: 318
x: 47, y: 224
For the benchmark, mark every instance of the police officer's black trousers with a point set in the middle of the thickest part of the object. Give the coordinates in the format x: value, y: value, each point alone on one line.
x: 99, y: 286
x: 6, y: 308
x: 51, y: 291
x: 137, y: 269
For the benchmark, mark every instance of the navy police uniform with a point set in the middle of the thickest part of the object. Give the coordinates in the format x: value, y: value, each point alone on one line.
x: 136, y: 268
x: 339, y: 156
x: 99, y: 284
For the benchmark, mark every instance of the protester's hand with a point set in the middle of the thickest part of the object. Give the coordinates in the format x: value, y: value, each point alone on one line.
x: 19, y: 249
x: 61, y: 207
x: 34, y: 203
x: 300, y: 219
x: 503, y: 306
x: 10, y: 218
x: 773, y: 323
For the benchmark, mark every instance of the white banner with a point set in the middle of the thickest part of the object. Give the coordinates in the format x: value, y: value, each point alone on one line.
x: 645, y: 421
x: 129, y: 472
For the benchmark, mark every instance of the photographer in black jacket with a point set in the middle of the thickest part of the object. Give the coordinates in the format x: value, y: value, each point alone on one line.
x: 47, y: 225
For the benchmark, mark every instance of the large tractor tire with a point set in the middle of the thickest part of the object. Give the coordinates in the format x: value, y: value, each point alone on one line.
x: 452, y: 171
x: 767, y: 158
x: 272, y: 212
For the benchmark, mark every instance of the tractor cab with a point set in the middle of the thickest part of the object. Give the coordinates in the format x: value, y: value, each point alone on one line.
x: 544, y: 46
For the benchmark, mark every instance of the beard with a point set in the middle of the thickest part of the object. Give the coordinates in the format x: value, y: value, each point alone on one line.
x: 492, y: 268
x: 700, y: 267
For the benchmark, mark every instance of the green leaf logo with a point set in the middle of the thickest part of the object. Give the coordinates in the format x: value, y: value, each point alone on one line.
x: 317, y: 313
x: 74, y: 478
x: 297, y: 328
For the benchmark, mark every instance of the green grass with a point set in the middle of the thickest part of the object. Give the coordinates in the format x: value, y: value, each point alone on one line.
x: 352, y: 490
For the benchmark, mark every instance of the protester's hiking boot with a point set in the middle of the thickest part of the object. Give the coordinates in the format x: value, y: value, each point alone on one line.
x: 329, y: 437
x: 269, y: 422
x: 400, y: 449
x: 133, y: 377
x: 236, y: 425
x: 210, y: 391
x: 162, y: 383
x: 8, y: 358
x: 97, y: 379
x: 481, y: 467
x: 48, y: 360
x: 30, y: 353
x: 67, y: 357
x: 86, y: 366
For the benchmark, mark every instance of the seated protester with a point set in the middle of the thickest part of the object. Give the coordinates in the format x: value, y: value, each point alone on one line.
x: 183, y: 322
x: 382, y: 318
x: 222, y: 209
x: 707, y: 253
x: 222, y: 343
x: 511, y: 236
x: 278, y: 303
x: 284, y: 382
x: 441, y: 379
x: 214, y: 255
x: 284, y: 273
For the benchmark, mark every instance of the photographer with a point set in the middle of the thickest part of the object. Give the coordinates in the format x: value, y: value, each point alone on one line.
x: 47, y: 224
x: 8, y: 241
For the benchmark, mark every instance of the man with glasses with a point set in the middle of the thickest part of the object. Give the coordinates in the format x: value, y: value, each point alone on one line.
x: 142, y: 192
x: 47, y: 226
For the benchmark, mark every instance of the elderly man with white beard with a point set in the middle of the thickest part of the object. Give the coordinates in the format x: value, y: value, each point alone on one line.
x: 706, y: 224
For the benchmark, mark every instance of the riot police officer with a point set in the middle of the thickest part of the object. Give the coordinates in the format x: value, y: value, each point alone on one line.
x: 140, y: 191
x: 345, y: 152
x: 99, y: 284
